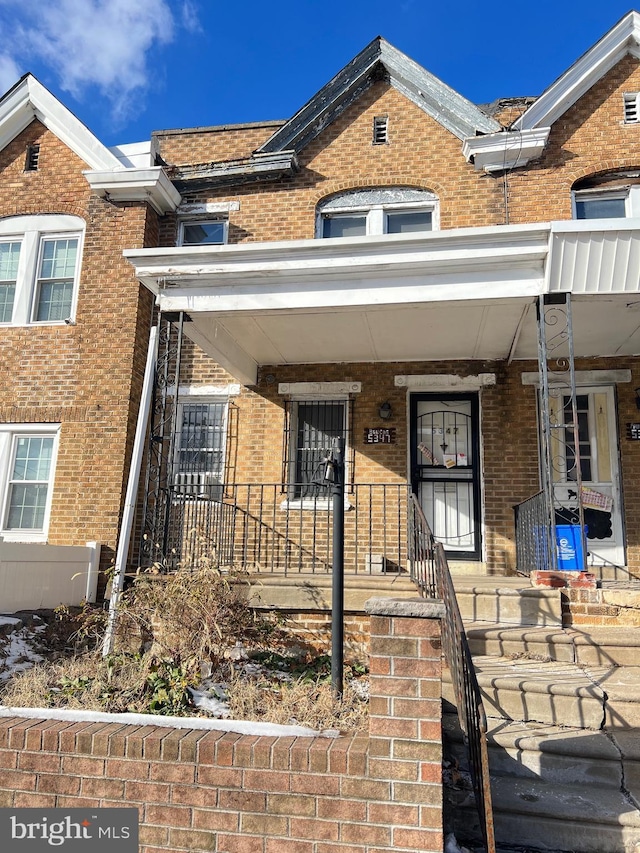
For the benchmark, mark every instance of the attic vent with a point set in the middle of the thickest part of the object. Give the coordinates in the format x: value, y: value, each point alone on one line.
x: 31, y: 159
x: 381, y: 130
x: 631, y: 108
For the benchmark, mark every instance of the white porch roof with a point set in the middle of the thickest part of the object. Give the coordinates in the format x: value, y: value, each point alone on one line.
x: 457, y: 294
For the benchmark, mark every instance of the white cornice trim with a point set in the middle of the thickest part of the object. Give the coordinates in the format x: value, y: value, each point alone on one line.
x: 623, y: 38
x: 323, y: 389
x: 230, y: 390
x: 150, y: 185
x: 29, y: 100
x: 508, y: 149
x: 583, y: 377
x: 444, y: 381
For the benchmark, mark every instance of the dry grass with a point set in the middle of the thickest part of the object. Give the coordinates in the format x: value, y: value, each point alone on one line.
x: 169, y: 630
x: 299, y: 702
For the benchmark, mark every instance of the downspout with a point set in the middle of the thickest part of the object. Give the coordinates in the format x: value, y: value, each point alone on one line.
x: 128, y: 515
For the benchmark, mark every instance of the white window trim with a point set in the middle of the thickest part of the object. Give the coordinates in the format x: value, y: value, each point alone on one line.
x: 31, y: 232
x: 203, y: 220
x: 376, y: 223
x: 630, y: 194
x: 8, y: 434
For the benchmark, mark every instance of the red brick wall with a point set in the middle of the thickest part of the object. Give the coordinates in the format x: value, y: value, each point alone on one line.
x: 232, y: 793
x: 86, y: 377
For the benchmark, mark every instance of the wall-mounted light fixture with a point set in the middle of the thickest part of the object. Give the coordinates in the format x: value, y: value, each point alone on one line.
x: 385, y: 411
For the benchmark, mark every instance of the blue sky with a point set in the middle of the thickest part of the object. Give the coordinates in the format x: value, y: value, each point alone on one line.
x: 127, y: 67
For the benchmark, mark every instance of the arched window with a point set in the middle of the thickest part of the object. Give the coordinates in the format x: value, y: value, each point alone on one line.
x: 381, y: 210
x: 609, y: 195
x: 39, y: 268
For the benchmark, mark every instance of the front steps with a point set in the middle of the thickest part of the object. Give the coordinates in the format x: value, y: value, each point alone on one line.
x: 563, y: 708
x: 553, y: 789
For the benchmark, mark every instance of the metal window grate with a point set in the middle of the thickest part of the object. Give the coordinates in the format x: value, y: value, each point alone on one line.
x: 200, y: 444
x: 381, y: 130
x: 631, y: 111
x: 309, y: 430
x: 32, y: 157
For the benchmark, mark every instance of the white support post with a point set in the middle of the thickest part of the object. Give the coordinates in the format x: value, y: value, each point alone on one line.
x: 132, y: 491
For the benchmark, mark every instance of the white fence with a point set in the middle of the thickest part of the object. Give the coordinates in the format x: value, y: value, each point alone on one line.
x: 34, y: 576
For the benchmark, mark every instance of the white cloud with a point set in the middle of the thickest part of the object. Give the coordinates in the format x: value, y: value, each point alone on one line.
x: 106, y: 44
x: 190, y: 20
x: 9, y: 72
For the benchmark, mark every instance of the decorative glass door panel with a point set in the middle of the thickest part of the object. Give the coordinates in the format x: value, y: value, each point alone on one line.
x: 601, y: 493
x: 445, y: 469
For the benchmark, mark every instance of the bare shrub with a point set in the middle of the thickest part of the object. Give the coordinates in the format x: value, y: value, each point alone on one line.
x: 171, y: 631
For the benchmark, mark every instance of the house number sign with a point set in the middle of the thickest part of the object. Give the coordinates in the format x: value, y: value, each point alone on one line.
x: 633, y: 432
x: 379, y: 435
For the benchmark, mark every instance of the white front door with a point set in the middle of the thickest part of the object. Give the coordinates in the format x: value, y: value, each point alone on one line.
x: 601, y: 495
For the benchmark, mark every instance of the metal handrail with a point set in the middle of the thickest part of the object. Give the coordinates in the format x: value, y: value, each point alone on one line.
x: 437, y: 582
x: 534, y: 548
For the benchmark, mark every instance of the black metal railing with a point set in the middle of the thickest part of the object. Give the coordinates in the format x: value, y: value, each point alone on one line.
x: 265, y: 528
x: 533, y: 535
x: 433, y: 579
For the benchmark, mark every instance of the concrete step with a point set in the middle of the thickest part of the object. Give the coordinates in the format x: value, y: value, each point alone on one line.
x: 548, y: 692
x: 548, y: 643
x: 621, y: 686
x: 535, y: 814
x: 507, y: 601
x: 591, y: 646
x: 554, y: 754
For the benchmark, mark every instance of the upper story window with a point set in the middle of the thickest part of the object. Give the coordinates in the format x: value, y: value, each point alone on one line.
x: 389, y: 210
x: 39, y: 268
x: 203, y: 232
x: 614, y: 195
x: 601, y: 205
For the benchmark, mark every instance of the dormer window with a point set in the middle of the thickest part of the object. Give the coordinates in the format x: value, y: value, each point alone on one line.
x: 631, y: 107
x: 388, y: 210
x: 203, y: 232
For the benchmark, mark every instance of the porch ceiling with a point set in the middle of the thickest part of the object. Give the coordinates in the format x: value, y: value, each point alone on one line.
x: 459, y: 294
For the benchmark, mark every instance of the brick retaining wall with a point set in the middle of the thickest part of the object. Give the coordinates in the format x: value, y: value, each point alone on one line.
x: 232, y: 793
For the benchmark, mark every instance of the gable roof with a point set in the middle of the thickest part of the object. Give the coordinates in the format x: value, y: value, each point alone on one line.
x: 380, y: 60
x: 108, y: 174
x: 29, y: 100
x: 621, y: 39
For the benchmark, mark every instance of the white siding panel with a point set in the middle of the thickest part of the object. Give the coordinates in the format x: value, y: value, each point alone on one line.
x: 604, y: 260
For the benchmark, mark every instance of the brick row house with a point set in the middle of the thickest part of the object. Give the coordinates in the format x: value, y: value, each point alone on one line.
x: 447, y: 288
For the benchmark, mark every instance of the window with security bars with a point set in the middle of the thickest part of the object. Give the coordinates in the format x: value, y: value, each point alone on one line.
x: 311, y: 426
x: 200, y: 448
